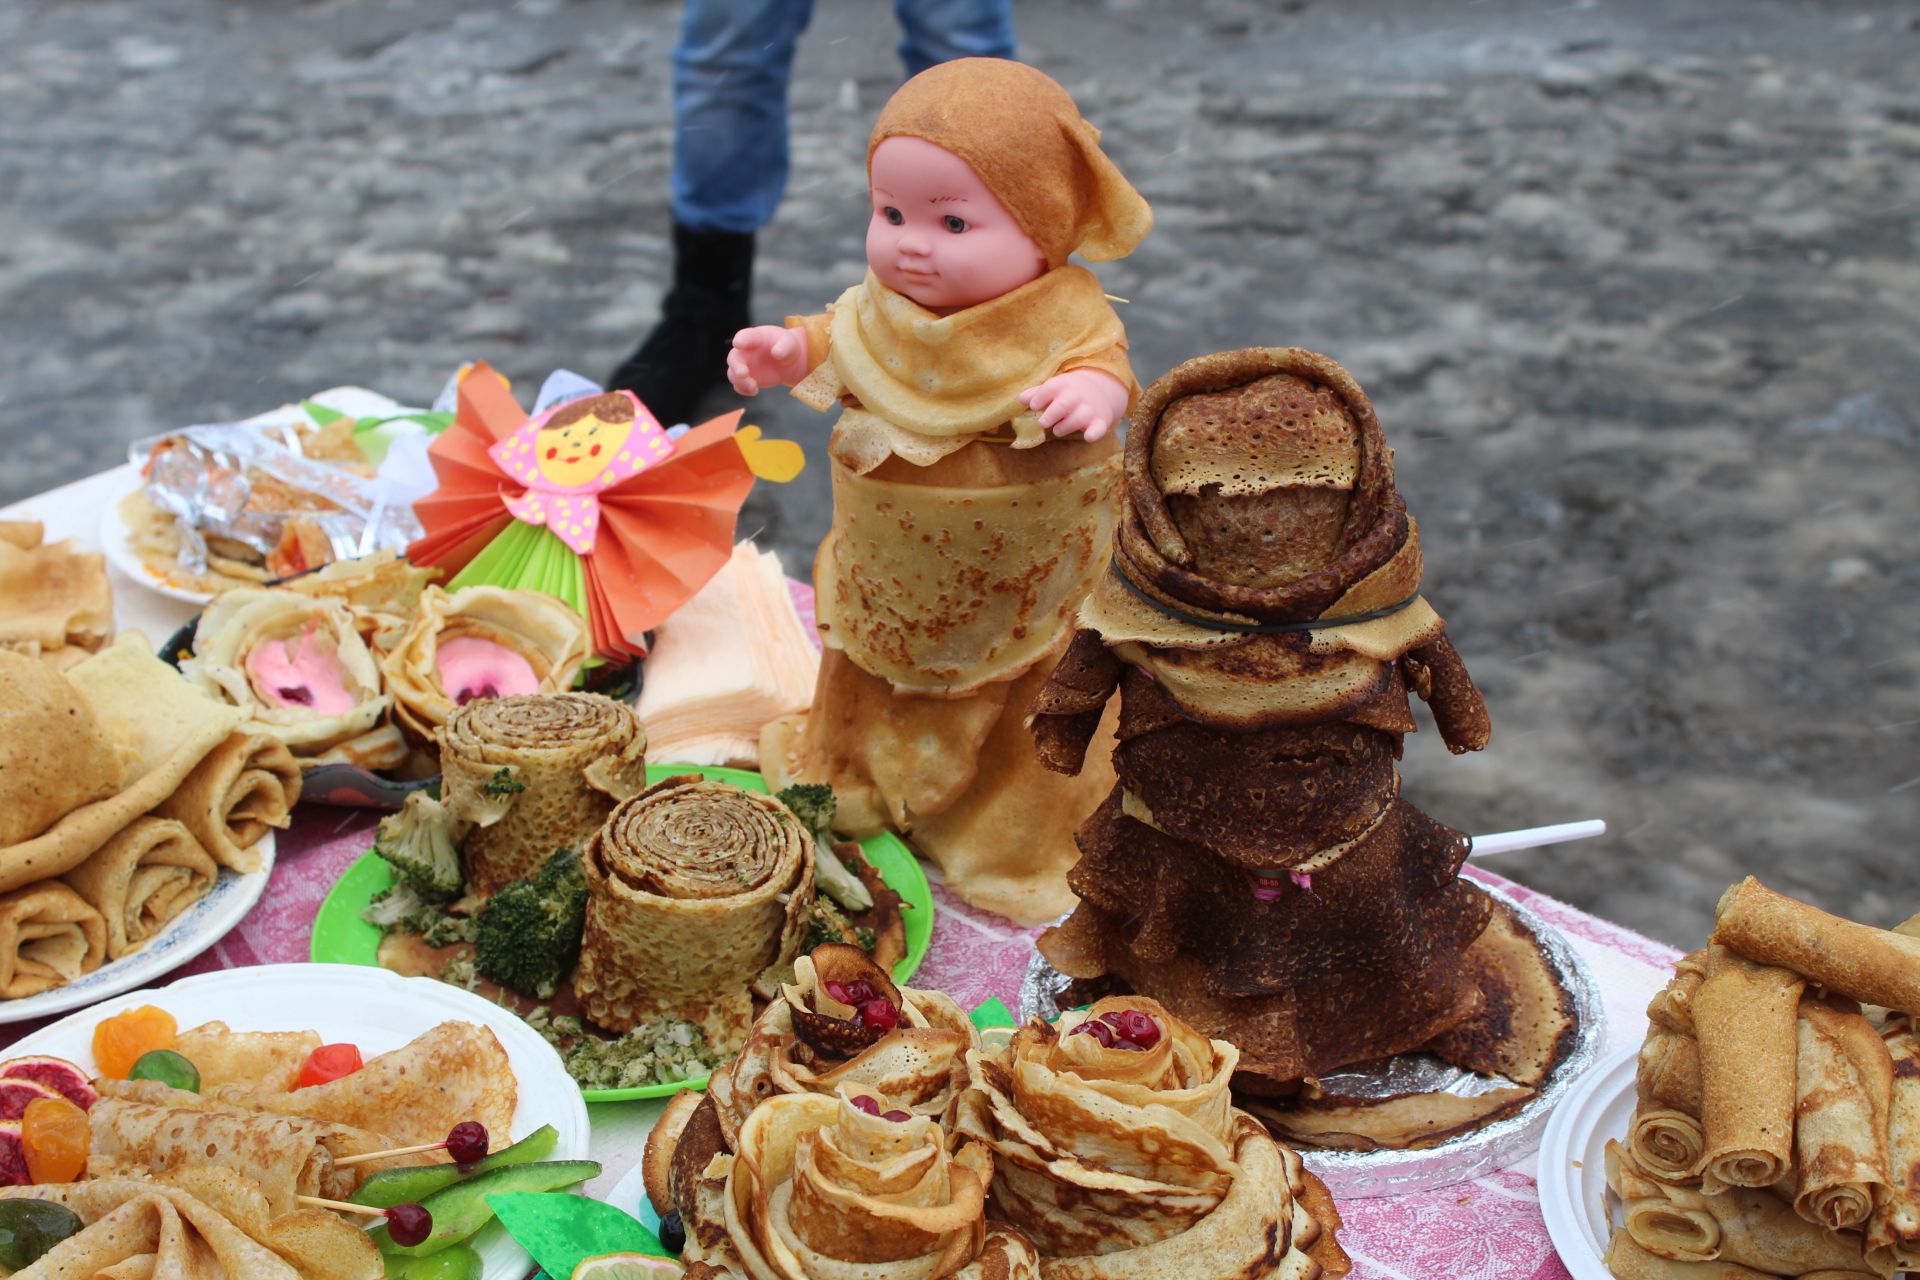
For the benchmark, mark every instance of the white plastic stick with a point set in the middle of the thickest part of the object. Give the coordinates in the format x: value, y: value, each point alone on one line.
x: 1534, y: 837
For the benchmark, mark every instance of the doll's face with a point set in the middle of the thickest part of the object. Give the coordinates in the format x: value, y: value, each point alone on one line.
x: 938, y: 235
x: 579, y: 451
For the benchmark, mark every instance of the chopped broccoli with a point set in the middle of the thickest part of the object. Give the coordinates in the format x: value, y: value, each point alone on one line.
x: 459, y: 972
x: 400, y: 906
x: 527, y: 937
x: 420, y: 843
x: 825, y: 925
x: 813, y: 804
x: 502, y: 785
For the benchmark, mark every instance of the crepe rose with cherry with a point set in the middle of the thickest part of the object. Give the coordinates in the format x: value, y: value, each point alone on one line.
x: 834, y: 1188
x: 480, y: 642
x: 1118, y: 1150
x: 299, y: 669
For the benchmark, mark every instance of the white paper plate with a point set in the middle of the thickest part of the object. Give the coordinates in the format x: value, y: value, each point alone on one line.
x: 186, y: 936
x: 373, y: 1009
x: 1573, y: 1171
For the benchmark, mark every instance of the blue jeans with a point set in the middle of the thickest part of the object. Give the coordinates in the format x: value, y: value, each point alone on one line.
x: 730, y: 75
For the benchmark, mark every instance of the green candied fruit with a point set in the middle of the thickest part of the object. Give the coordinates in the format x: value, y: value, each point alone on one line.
x: 29, y: 1228
x: 169, y: 1068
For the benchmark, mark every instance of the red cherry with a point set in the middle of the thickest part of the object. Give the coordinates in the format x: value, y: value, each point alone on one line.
x: 838, y: 991
x: 409, y: 1224
x: 1097, y: 1029
x: 861, y: 991
x: 467, y: 1142
x: 898, y: 1117
x: 552, y: 454
x: 879, y: 1015
x: 1135, y: 1029
x: 866, y: 1104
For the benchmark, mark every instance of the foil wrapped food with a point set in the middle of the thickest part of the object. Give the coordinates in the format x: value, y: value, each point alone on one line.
x: 1364, y: 1174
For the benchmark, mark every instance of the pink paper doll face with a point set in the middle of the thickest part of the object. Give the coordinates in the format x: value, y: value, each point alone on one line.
x: 938, y: 235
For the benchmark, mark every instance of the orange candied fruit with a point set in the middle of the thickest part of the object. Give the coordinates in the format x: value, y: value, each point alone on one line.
x: 120, y: 1041
x: 55, y: 1136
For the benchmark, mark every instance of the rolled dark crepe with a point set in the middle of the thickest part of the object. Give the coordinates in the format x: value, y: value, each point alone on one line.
x: 246, y: 785
x: 142, y: 878
x: 1873, y: 966
x: 1845, y: 1086
x: 1893, y: 1233
x: 1667, y: 1139
x: 1745, y: 1016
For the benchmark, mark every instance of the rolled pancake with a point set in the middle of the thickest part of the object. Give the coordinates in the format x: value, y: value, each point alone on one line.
x: 1745, y: 1015
x: 161, y: 727
x: 1673, y: 1222
x: 281, y: 1154
x: 1672, y: 1007
x: 147, y: 1229
x: 1893, y: 1233
x: 1666, y: 1138
x: 54, y: 754
x: 698, y: 891
x: 142, y: 878
x: 1844, y: 1089
x: 246, y: 786
x: 414, y: 1094
x: 1873, y: 966
x: 264, y: 1059
x: 49, y: 936
x: 536, y: 773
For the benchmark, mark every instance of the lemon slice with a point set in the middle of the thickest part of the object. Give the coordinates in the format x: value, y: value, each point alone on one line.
x: 626, y: 1266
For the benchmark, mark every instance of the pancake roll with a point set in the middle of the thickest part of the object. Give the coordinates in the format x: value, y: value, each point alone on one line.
x: 698, y: 893
x: 536, y: 773
x: 1893, y: 1232
x: 1667, y: 1139
x: 49, y: 935
x: 246, y: 787
x: 1844, y: 1090
x: 1129, y: 1159
x: 1746, y: 1016
x: 142, y: 878
x: 1873, y: 966
x: 1670, y: 1221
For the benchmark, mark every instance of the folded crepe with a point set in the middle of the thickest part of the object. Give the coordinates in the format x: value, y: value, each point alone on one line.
x: 282, y: 1154
x: 698, y: 892
x: 1666, y: 1138
x: 49, y: 935
x: 1745, y: 1015
x: 320, y: 1244
x: 55, y: 755
x: 266, y: 1059
x: 1124, y: 1163
x: 821, y: 1190
x: 454, y: 1072
x: 520, y: 628
x: 139, y: 1228
x: 382, y: 589
x: 1627, y: 1260
x: 1893, y: 1233
x: 1844, y: 1091
x: 728, y: 661
x: 142, y: 878
x: 536, y: 773
x: 245, y: 787
x: 158, y: 725
x: 295, y: 665
x: 52, y: 597
x: 1873, y: 966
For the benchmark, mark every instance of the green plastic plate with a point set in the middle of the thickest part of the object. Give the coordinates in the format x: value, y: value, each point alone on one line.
x: 340, y: 936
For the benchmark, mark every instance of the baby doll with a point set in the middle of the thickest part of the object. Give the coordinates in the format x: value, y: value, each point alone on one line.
x: 975, y: 473
x: 1254, y: 868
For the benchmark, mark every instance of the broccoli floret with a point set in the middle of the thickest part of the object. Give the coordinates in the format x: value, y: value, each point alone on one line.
x: 527, y: 937
x: 813, y: 804
x: 445, y: 929
x: 400, y: 906
x: 421, y: 844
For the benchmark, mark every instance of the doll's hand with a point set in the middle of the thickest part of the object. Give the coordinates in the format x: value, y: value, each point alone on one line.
x: 1083, y: 400
x: 766, y: 356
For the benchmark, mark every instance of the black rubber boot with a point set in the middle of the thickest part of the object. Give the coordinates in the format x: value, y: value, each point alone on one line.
x: 686, y: 354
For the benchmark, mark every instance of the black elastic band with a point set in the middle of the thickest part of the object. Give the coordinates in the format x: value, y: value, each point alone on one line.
x: 1252, y: 628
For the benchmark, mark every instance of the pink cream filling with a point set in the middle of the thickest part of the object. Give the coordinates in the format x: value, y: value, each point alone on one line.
x: 302, y: 672
x: 473, y: 668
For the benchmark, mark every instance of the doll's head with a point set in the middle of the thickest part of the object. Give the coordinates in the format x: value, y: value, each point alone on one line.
x: 582, y: 438
x: 984, y: 176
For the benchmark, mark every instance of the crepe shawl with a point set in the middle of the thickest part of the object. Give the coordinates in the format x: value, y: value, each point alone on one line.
x: 923, y: 384
x: 142, y: 878
x: 698, y: 892
x: 536, y: 773
x: 246, y: 787
x: 1121, y: 1163
x: 819, y: 1190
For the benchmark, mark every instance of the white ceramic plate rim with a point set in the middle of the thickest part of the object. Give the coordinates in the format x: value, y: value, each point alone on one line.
x: 1572, y: 1173
x: 334, y: 999
x: 184, y: 938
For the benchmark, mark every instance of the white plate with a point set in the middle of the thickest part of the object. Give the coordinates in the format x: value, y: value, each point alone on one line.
x: 630, y: 1193
x: 185, y: 936
x: 1573, y: 1171
x: 375, y: 1010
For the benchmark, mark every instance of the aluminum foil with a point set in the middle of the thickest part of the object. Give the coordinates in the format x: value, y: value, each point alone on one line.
x: 200, y: 478
x: 1363, y: 1174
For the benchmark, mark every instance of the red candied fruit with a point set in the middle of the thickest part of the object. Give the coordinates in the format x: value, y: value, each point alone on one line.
x: 855, y: 993
x: 1127, y: 1029
x: 872, y: 1107
x: 879, y: 1015
x: 467, y: 1142
x: 409, y: 1224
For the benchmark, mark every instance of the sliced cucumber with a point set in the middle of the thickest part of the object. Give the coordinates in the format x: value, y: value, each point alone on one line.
x: 415, y: 1182
x: 461, y: 1209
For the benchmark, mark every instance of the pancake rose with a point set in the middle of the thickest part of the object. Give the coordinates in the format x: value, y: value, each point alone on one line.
x: 464, y: 643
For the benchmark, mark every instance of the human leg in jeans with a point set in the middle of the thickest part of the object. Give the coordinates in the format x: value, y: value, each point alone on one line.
x: 933, y: 31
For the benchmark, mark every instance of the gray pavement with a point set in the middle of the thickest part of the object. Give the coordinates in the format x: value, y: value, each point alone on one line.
x: 1633, y: 284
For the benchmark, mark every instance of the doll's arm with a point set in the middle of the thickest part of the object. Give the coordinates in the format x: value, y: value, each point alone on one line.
x: 1087, y: 400
x: 1067, y: 710
x: 771, y: 355
x: 1436, y: 673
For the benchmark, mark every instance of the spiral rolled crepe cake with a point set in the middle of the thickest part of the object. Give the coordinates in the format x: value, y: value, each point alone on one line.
x: 295, y: 665
x: 819, y: 1190
x: 568, y: 759
x: 1121, y: 1163
x: 552, y: 639
x: 245, y: 787
x: 142, y: 878
x: 698, y: 892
